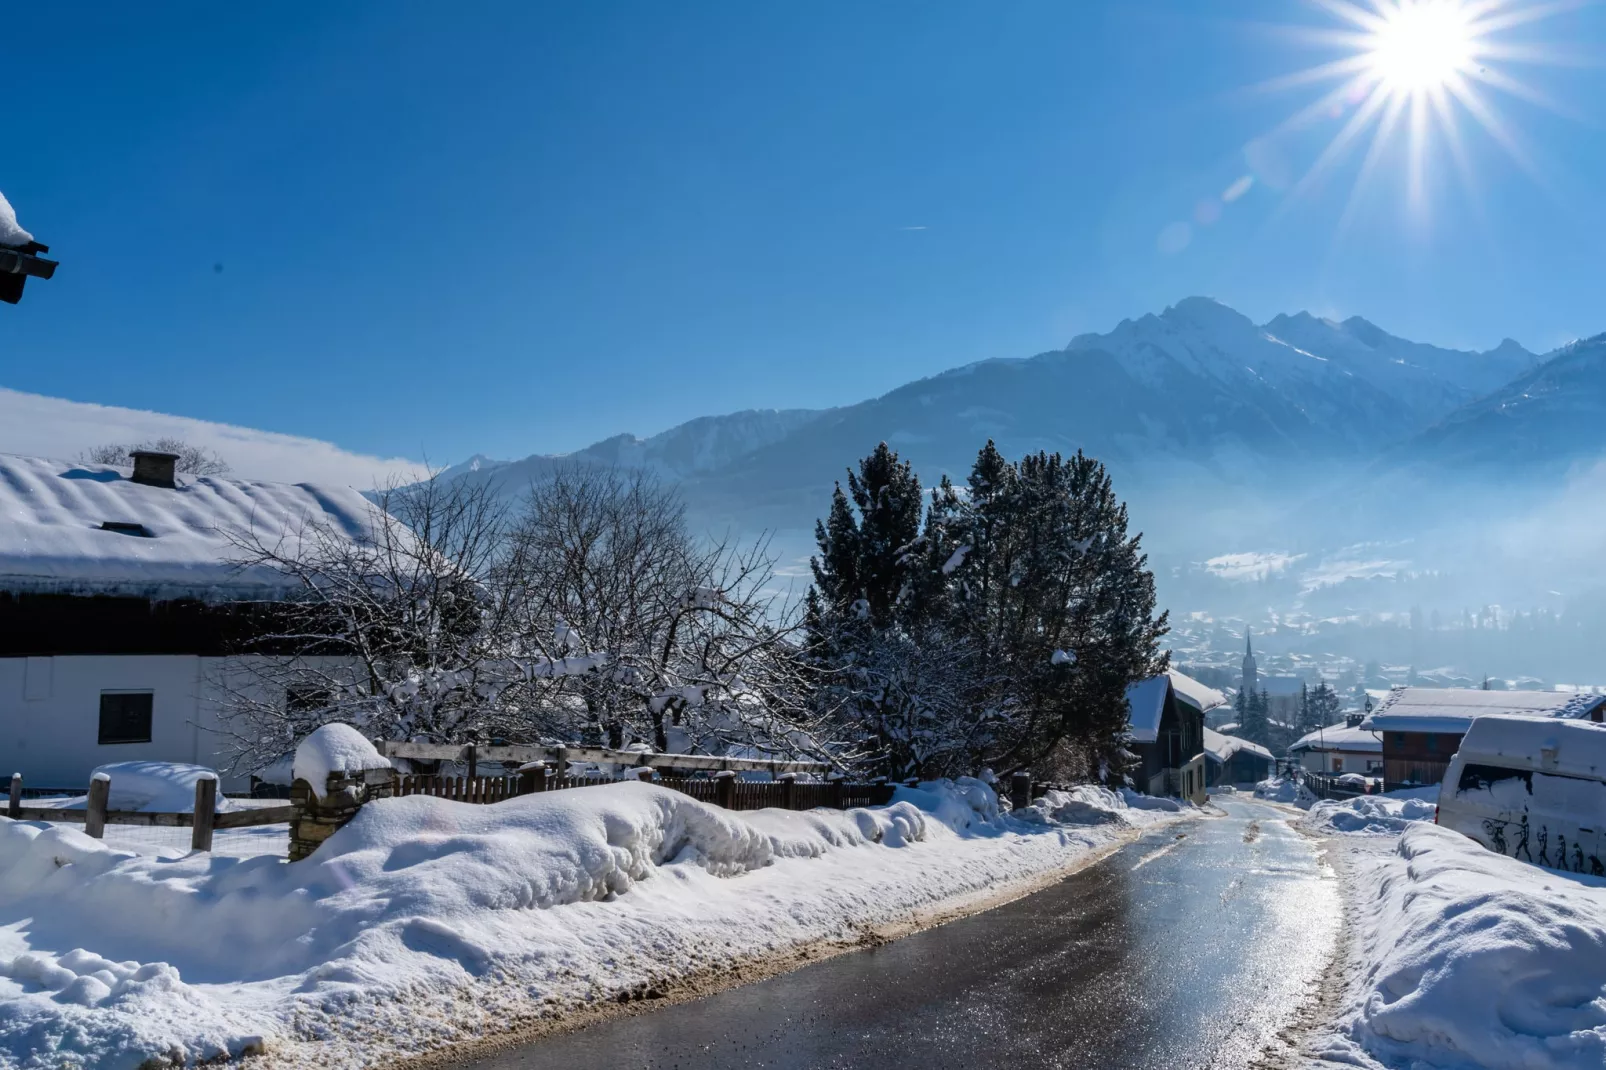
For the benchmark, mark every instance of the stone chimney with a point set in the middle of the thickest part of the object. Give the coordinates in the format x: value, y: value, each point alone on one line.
x: 154, y: 469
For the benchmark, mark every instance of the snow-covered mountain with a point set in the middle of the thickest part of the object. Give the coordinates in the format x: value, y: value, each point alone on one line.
x: 1541, y: 422
x: 1198, y: 396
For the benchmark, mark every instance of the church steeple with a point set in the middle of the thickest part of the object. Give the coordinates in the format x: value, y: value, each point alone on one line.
x: 1251, y: 677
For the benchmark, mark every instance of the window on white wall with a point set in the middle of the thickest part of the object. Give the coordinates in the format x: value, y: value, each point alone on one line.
x: 125, y: 716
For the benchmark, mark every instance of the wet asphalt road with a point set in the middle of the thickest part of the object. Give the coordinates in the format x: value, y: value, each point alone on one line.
x: 1189, y: 947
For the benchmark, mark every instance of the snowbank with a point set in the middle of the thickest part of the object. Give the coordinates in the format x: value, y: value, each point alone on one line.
x: 1472, y: 959
x: 1375, y: 814
x: 152, y: 787
x: 426, y: 920
x: 1285, y: 790
x: 334, y: 748
x: 10, y: 232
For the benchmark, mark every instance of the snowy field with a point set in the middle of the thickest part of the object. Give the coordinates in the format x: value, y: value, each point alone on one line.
x: 427, y: 921
x: 1460, y: 957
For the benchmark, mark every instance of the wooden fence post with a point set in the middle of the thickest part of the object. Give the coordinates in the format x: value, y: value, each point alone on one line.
x: 1020, y: 790
x: 14, y: 808
x: 473, y: 761
x: 100, y: 790
x: 644, y: 774
x: 838, y: 799
x: 532, y: 779
x: 560, y: 763
x: 725, y: 789
x: 789, y: 790
x: 205, y: 814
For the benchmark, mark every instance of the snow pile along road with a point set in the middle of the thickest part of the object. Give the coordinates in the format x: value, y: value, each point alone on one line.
x: 426, y: 921
x: 1375, y: 814
x: 1285, y: 790
x: 1472, y: 959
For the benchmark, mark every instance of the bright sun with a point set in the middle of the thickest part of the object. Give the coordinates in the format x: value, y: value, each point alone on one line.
x: 1416, y: 70
x: 1422, y: 46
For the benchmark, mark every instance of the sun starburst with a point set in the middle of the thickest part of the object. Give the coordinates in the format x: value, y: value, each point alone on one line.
x: 1416, y: 71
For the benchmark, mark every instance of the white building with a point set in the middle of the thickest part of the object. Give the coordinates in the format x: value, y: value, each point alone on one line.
x: 1340, y: 749
x: 120, y: 595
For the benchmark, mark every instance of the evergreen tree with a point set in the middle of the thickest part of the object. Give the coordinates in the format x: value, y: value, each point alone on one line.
x: 1003, y: 631
x: 1325, y: 707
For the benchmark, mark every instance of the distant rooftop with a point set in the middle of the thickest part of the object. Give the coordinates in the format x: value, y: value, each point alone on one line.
x: 1452, y: 709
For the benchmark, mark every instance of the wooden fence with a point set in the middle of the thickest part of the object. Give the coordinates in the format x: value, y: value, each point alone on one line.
x: 95, y: 815
x: 721, y: 790
x: 1328, y: 786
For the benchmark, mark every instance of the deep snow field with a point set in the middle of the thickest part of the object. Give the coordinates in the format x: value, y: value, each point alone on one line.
x: 1460, y: 957
x: 426, y: 921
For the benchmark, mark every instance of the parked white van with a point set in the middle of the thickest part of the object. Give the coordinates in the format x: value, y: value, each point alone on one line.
x: 1532, y: 788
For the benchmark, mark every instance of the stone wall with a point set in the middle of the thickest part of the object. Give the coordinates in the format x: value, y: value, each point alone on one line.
x: 318, y: 818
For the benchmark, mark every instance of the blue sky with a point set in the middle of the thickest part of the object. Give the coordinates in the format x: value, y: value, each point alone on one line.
x: 507, y: 228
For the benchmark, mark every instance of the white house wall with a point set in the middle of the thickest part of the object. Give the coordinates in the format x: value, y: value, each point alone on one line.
x: 50, y: 715
x: 1353, y: 761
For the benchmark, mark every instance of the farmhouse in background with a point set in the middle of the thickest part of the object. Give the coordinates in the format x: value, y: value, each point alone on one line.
x: 1230, y: 760
x: 1341, y: 748
x: 1422, y: 726
x: 1166, y: 732
x: 119, y: 596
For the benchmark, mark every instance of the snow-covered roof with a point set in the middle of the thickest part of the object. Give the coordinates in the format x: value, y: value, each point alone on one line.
x: 1577, y: 748
x: 1452, y: 709
x: 1193, y: 692
x: 11, y: 233
x: 1339, y: 738
x: 1145, y: 703
x: 1222, y: 747
x: 172, y: 542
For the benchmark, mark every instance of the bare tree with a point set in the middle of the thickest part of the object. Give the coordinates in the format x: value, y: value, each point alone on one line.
x: 594, y: 614
x: 704, y: 649
x: 403, y: 630
x: 196, y: 460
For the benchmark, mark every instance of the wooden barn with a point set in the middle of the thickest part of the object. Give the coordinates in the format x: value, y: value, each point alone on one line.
x: 1233, y: 761
x: 1166, y: 733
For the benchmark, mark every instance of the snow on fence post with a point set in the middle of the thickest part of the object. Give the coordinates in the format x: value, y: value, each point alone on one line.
x: 341, y: 761
x: 14, y: 807
x: 532, y: 778
x: 100, y: 789
x: 725, y: 789
x: 644, y: 774
x: 205, y: 815
x: 789, y: 791
x: 1020, y: 790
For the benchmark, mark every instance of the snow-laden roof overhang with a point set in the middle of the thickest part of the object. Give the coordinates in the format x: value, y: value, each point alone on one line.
x: 1145, y: 703
x: 1453, y: 709
x: 1339, y: 738
x: 90, y: 529
x: 1220, y: 747
x: 1194, y: 693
